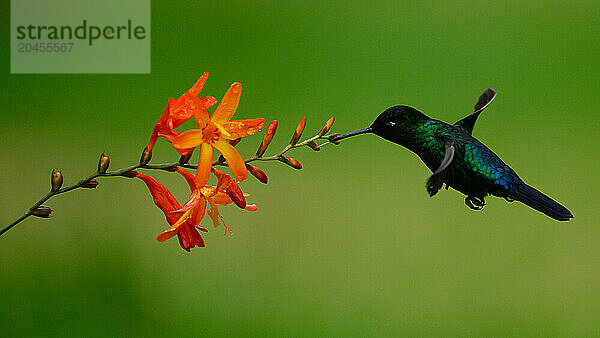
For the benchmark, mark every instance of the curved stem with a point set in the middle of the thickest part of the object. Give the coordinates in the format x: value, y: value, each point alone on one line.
x: 17, y: 221
x: 161, y: 166
x: 29, y: 212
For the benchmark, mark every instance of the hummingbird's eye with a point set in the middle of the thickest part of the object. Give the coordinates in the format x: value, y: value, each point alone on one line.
x: 391, y: 124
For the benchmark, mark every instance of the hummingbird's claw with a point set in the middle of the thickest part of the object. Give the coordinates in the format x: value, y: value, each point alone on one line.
x: 475, y: 202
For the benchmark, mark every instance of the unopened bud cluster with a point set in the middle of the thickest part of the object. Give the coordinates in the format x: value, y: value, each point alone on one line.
x: 294, y: 142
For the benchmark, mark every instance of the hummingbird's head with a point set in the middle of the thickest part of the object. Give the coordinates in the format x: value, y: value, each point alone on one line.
x: 395, y: 124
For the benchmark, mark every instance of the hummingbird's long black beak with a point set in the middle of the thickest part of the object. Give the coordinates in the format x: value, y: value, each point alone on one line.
x: 358, y: 132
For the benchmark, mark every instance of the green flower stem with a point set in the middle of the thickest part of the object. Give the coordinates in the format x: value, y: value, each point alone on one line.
x: 290, y: 146
x: 162, y: 166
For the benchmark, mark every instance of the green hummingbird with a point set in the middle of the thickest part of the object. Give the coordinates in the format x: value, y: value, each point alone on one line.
x: 459, y: 160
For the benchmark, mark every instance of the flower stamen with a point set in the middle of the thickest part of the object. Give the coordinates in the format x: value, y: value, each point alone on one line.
x: 227, y: 230
x: 183, y: 218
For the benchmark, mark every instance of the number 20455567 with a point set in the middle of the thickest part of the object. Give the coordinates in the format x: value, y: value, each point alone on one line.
x: 45, y: 47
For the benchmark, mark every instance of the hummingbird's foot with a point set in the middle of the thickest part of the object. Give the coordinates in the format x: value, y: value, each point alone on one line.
x: 509, y: 199
x: 475, y: 202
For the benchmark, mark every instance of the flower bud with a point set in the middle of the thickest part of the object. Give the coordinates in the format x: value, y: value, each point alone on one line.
x: 146, y: 156
x: 256, y: 172
x: 313, y: 145
x: 267, y: 138
x: 334, y: 136
x: 237, y: 196
x: 298, y: 131
x: 327, y: 126
x: 56, y: 179
x: 184, y: 159
x: 42, y: 211
x: 291, y: 162
x: 235, y: 142
x: 90, y: 184
x: 130, y: 174
x: 103, y: 163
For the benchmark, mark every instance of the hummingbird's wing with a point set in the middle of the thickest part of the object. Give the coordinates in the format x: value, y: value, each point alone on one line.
x: 435, y: 181
x: 468, y: 122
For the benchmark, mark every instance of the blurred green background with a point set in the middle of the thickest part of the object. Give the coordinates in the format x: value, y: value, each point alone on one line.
x: 351, y: 245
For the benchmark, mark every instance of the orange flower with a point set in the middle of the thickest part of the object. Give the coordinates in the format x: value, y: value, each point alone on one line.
x: 179, y: 111
x: 226, y: 192
x: 187, y: 232
x: 215, y: 132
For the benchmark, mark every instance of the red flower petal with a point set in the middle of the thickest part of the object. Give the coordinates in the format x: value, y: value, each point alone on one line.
x: 189, y: 237
x: 162, y: 196
x: 251, y: 207
x: 189, y: 177
x: 197, y: 87
x: 221, y: 198
x: 198, y: 213
x: 228, y: 185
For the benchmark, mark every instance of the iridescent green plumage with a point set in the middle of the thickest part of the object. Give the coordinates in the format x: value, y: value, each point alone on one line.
x: 459, y: 160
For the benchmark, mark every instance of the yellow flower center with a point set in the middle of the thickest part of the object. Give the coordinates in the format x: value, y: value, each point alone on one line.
x: 210, y: 133
x: 208, y: 191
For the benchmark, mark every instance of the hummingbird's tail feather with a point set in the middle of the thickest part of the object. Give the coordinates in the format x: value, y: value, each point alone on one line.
x: 540, y: 202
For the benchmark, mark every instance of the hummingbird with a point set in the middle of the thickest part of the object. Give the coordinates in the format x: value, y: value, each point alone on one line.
x: 457, y: 159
